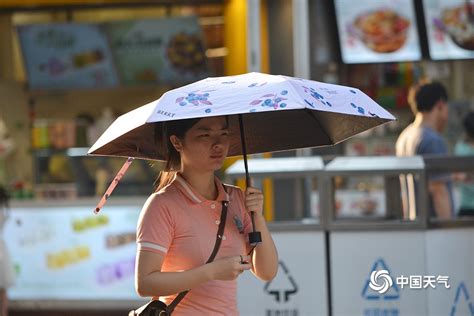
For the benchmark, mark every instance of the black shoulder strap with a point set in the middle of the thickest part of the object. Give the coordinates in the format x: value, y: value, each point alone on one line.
x: 220, y: 234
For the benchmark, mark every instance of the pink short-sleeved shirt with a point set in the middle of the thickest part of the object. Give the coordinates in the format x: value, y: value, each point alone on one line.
x: 180, y: 224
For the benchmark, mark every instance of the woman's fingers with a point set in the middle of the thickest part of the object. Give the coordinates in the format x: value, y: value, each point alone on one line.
x: 244, y: 263
x: 253, y: 203
x: 244, y: 267
x: 252, y: 190
x: 253, y: 197
x: 244, y: 259
x: 254, y: 200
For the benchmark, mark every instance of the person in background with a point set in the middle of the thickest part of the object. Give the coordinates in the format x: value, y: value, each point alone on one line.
x: 466, y: 148
x: 423, y: 137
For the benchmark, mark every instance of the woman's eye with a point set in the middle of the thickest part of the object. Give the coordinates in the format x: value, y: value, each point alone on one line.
x: 204, y: 135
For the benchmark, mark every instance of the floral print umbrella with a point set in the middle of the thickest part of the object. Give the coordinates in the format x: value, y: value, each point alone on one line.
x: 278, y: 112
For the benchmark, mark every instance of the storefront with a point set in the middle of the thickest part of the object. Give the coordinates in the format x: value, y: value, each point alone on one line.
x: 67, y: 71
x: 55, y: 109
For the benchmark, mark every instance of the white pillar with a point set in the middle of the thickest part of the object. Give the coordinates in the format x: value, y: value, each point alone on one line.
x: 254, y: 55
x: 301, y: 66
x: 301, y: 59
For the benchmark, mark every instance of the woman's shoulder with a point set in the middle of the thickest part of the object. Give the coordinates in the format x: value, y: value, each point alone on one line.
x: 161, y: 198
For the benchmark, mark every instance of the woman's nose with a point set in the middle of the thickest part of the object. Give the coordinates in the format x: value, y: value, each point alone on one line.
x: 218, y: 141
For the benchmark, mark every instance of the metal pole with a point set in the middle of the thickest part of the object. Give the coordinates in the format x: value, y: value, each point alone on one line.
x: 254, y: 237
x: 244, y: 150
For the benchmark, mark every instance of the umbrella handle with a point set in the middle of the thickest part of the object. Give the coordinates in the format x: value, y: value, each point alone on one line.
x: 254, y: 237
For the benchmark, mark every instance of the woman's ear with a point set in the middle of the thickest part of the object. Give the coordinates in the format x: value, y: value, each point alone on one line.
x: 176, y: 142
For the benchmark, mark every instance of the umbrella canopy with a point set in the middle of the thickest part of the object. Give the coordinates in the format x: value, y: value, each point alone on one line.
x: 279, y: 113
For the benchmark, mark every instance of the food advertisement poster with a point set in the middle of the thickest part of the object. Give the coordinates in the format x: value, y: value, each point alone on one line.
x: 450, y: 28
x: 68, y: 253
x: 63, y: 56
x: 372, y: 31
x: 158, y: 51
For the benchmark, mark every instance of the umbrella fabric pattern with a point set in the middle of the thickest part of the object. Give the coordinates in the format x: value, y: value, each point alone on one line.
x: 279, y: 113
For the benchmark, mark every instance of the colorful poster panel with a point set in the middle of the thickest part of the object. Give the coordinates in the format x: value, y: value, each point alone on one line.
x: 372, y: 31
x: 450, y: 28
x: 68, y: 253
x: 66, y: 56
x: 169, y: 51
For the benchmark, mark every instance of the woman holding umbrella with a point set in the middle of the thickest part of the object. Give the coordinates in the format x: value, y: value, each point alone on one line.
x: 178, y: 224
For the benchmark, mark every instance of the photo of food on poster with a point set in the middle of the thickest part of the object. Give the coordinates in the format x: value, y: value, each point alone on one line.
x: 373, y: 31
x: 169, y: 50
x: 450, y: 28
x: 66, y: 56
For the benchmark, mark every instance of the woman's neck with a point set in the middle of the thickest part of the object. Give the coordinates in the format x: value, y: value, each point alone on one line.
x: 203, y: 183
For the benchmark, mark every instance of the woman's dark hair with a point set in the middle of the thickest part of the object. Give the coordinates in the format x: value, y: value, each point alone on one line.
x: 468, y: 123
x: 163, y: 131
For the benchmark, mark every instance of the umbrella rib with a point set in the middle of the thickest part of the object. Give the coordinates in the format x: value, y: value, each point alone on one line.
x: 317, y: 121
x: 311, y: 111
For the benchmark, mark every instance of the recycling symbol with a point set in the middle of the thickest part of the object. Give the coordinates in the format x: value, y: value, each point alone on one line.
x: 462, y: 299
x: 282, y: 286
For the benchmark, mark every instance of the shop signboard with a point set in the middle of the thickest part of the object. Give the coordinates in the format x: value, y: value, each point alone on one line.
x: 299, y: 289
x: 154, y: 51
x: 450, y: 28
x: 66, y: 56
x: 68, y: 253
x: 372, y: 31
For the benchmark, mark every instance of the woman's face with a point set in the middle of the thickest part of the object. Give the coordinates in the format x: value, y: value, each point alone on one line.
x: 205, y: 145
